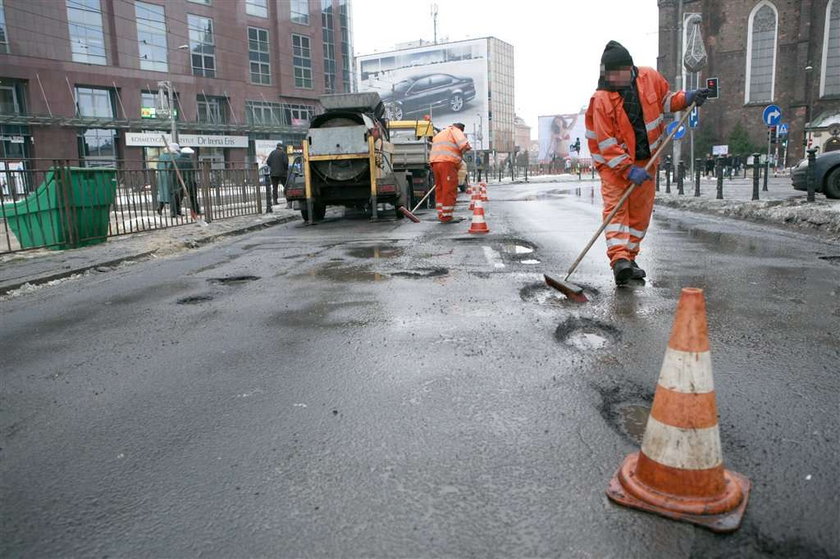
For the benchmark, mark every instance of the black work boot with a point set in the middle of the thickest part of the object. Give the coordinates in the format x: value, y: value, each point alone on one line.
x: 638, y: 273
x: 623, y: 271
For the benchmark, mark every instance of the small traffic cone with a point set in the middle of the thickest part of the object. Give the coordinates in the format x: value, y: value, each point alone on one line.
x: 473, y: 197
x: 483, y: 189
x: 679, y: 472
x: 478, y: 224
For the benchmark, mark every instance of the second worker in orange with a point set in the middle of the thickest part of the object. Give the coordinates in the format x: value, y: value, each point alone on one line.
x: 448, y: 149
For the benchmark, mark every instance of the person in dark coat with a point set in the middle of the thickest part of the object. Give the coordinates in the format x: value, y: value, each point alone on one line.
x: 167, y: 181
x: 278, y: 163
x: 187, y: 167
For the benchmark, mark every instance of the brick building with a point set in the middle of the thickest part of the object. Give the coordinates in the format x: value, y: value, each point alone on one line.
x: 782, y: 52
x: 79, y: 79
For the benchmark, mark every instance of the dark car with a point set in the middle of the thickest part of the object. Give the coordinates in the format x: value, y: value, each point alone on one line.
x: 420, y: 94
x: 827, y: 176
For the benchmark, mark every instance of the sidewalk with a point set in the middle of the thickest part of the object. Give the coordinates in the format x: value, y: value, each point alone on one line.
x: 29, y: 268
x: 781, y: 205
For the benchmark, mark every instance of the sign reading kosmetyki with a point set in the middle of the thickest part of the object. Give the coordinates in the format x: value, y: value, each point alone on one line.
x: 152, y: 139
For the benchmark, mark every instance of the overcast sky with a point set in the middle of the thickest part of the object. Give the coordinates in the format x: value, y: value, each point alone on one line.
x: 557, y: 43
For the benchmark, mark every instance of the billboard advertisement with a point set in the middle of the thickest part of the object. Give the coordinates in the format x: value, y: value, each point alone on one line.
x: 557, y: 133
x: 446, y: 81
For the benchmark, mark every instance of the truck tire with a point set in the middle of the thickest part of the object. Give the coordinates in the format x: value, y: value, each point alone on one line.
x: 319, y: 210
x: 831, y: 188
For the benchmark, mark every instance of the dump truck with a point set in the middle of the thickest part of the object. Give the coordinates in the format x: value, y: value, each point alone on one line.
x: 412, y: 141
x: 347, y: 160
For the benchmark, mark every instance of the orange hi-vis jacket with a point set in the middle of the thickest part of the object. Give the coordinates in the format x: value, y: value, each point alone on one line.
x: 449, y: 145
x: 612, y: 141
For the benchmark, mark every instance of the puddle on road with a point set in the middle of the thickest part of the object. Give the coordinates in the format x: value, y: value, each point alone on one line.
x: 345, y: 274
x: 530, y: 261
x: 194, y: 300
x: 541, y: 294
x: 632, y: 420
x: 376, y: 252
x: 233, y: 280
x: 586, y: 334
x: 516, y: 249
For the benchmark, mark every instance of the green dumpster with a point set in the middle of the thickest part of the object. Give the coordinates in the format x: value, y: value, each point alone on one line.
x: 60, y: 215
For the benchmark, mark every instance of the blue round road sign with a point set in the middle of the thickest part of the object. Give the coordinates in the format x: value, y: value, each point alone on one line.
x: 772, y: 115
x: 680, y: 133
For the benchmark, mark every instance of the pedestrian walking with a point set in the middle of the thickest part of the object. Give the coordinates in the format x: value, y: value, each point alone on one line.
x: 624, y: 126
x: 167, y: 187
x: 187, y: 167
x: 278, y: 164
x: 448, y: 149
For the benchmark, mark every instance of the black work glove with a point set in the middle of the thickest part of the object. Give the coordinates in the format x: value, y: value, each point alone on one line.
x: 697, y: 96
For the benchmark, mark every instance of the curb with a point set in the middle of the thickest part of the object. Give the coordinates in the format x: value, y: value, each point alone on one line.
x: 188, y: 243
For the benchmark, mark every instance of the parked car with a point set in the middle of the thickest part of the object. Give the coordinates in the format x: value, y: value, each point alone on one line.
x: 827, y: 177
x: 417, y: 94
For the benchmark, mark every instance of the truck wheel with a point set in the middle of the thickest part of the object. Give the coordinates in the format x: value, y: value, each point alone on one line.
x: 831, y: 188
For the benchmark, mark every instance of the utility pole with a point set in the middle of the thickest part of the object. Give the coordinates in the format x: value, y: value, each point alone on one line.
x: 169, y: 106
x: 434, y: 20
x: 678, y: 78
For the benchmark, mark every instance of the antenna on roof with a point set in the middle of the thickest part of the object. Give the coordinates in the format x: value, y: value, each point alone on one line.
x: 434, y: 20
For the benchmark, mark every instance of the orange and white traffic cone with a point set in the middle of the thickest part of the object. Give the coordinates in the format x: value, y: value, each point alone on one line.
x: 679, y: 472
x: 483, y: 188
x: 478, y: 224
x: 473, y: 197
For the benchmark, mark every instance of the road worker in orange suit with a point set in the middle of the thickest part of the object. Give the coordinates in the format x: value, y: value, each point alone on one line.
x: 448, y: 149
x: 624, y: 126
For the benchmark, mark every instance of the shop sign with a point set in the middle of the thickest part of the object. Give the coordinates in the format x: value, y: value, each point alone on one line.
x: 193, y: 140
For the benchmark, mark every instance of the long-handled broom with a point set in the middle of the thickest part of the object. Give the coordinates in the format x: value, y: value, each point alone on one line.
x: 184, y: 191
x: 575, y: 292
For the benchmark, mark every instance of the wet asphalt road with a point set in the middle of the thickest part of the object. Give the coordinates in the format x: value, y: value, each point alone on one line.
x: 389, y: 389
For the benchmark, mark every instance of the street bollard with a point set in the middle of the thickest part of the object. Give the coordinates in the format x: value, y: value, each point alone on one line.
x: 667, y: 177
x: 766, y: 174
x: 657, y: 178
x: 719, y: 176
x: 697, y: 163
x: 756, y: 174
x: 680, y: 178
x: 812, y: 174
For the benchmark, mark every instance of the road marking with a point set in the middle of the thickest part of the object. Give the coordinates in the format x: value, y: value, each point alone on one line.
x: 493, y: 257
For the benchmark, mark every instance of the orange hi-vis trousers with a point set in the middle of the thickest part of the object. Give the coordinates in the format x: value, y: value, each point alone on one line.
x: 446, y: 188
x: 630, y: 224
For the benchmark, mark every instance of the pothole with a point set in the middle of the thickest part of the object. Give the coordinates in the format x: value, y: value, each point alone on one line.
x: 517, y: 247
x: 530, y: 261
x: 832, y: 259
x: 194, y: 299
x: 377, y: 251
x: 586, y: 334
x: 422, y: 273
x: 233, y: 280
x: 346, y: 274
x: 632, y: 420
x: 540, y: 293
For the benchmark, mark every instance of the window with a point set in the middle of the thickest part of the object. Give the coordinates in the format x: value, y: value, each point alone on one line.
x: 257, y: 8
x: 205, y: 2
x: 97, y: 147
x: 148, y: 104
x: 151, y: 36
x: 263, y: 113
x: 302, y: 61
x: 761, y: 53
x: 211, y: 109
x: 298, y: 115
x: 329, y: 45
x: 202, y: 46
x: 300, y: 11
x: 4, y: 40
x: 830, y: 83
x: 258, y: 55
x: 87, y: 41
x: 9, y: 104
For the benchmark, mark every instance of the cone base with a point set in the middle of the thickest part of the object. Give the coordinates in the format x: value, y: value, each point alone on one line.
x: 485, y: 230
x: 625, y: 489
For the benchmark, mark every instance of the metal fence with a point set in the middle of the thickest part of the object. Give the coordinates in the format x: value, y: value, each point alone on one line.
x: 60, y: 204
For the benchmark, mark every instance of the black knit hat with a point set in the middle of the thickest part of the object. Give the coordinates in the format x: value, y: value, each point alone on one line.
x: 615, y: 56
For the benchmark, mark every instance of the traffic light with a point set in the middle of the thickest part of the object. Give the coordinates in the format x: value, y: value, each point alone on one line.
x: 712, y: 84
x: 773, y: 134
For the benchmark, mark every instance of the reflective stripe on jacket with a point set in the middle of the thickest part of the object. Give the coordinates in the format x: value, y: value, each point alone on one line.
x: 609, y: 132
x: 449, y: 145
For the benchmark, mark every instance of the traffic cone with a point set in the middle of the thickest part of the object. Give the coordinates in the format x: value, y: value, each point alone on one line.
x: 483, y: 189
x: 478, y: 224
x: 473, y: 197
x: 679, y: 472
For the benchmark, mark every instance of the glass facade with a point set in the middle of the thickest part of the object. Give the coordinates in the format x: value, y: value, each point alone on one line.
x: 202, y: 46
x: 344, y: 24
x: 500, y: 95
x: 831, y: 67
x: 4, y: 39
x: 210, y: 109
x: 762, y: 55
x: 258, y: 56
x: 328, y: 31
x: 151, y: 36
x: 87, y: 40
x: 257, y: 8
x: 302, y: 61
x: 97, y: 146
x: 298, y: 115
x: 300, y: 11
x: 264, y: 113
